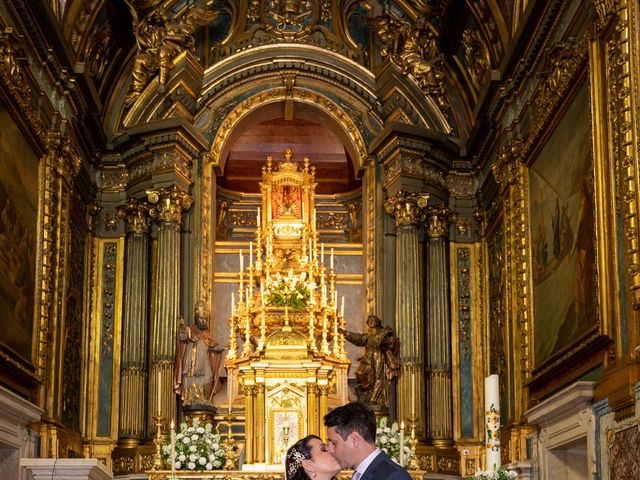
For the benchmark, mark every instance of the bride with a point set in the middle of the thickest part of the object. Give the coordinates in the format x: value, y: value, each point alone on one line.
x: 309, y: 459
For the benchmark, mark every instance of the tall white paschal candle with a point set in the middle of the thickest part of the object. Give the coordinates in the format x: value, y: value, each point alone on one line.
x: 413, y: 395
x: 492, y: 421
x: 402, y: 443
x: 159, y: 393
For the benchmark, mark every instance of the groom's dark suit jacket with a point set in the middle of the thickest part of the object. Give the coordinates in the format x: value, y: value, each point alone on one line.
x: 383, y: 468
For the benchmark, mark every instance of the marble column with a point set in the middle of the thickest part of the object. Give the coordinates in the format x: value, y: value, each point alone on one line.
x: 133, y: 370
x: 439, y: 429
x: 409, y: 212
x: 168, y: 203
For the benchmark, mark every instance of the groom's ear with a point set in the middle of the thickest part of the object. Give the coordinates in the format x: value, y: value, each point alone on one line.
x: 356, y: 438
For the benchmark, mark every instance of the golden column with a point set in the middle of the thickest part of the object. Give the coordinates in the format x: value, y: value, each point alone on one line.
x: 133, y: 370
x: 439, y: 429
x: 168, y: 203
x: 248, y: 391
x: 259, y: 415
x: 323, y: 398
x: 58, y: 168
x: 409, y: 212
x: 313, y: 424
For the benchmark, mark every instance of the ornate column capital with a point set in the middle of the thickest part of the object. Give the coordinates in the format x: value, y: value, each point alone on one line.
x: 439, y: 218
x: 606, y: 9
x: 61, y: 155
x: 507, y: 166
x: 91, y: 211
x: 136, y: 214
x: 168, y: 203
x: 407, y: 208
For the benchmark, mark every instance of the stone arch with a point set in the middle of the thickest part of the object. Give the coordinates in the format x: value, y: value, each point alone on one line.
x: 340, y: 122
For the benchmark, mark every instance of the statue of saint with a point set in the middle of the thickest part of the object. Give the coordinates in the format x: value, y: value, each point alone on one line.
x: 199, y: 360
x: 379, y: 363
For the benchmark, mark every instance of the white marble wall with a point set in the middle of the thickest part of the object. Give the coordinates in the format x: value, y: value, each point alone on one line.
x: 564, y: 447
x: 17, y: 440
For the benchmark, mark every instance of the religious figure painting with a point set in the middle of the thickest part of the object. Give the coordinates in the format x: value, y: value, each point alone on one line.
x: 18, y: 216
x: 562, y: 234
x: 286, y: 202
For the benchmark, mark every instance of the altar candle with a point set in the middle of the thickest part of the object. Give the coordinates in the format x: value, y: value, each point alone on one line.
x: 402, y: 443
x: 332, y: 259
x: 241, y: 261
x: 342, y: 307
x: 159, y: 393
x: 173, y: 448
x: 322, y: 252
x: 258, y: 220
x: 233, y: 303
x: 262, y: 293
x: 250, y: 255
x: 413, y: 394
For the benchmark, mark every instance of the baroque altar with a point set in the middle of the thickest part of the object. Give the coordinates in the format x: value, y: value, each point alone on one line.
x: 286, y: 362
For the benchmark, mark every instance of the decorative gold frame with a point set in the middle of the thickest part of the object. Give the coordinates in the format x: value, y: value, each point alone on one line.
x: 511, y: 171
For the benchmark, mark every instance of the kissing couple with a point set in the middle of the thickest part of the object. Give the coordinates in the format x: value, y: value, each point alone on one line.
x: 351, y: 443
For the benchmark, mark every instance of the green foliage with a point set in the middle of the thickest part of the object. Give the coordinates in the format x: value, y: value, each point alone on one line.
x: 290, y: 290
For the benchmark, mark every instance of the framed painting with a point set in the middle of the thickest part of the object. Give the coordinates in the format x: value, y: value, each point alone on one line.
x: 18, y: 240
x: 562, y: 229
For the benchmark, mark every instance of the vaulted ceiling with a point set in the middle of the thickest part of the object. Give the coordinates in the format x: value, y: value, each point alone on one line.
x: 470, y: 38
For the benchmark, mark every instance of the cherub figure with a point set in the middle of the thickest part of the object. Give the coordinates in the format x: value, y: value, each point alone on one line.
x: 160, y: 39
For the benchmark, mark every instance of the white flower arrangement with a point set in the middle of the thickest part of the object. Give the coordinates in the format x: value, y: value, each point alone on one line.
x: 500, y: 474
x: 198, y: 447
x: 388, y: 440
x: 291, y: 290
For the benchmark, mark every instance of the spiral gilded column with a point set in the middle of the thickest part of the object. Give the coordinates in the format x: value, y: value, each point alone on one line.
x: 439, y: 429
x: 133, y: 369
x: 168, y: 203
x: 409, y: 212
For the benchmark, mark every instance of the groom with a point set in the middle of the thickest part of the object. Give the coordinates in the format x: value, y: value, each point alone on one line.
x: 351, y: 437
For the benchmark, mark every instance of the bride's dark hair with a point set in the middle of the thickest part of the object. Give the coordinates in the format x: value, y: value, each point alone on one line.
x: 298, y: 452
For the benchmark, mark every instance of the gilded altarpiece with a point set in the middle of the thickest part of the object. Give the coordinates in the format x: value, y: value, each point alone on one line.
x: 285, y: 349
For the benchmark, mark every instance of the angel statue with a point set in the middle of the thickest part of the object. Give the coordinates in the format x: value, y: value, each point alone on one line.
x: 159, y: 40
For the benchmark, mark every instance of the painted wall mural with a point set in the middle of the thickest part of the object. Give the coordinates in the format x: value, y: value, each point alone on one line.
x: 18, y: 217
x: 562, y: 231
